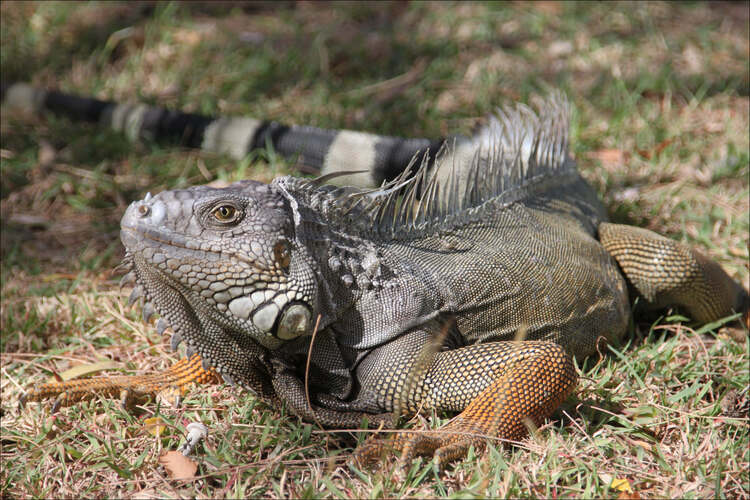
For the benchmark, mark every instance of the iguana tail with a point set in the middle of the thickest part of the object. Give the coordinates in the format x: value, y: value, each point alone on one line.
x: 318, y: 151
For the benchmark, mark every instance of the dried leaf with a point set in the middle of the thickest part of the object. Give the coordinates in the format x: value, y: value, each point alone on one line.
x: 620, y: 484
x: 609, y: 156
x: 154, y: 426
x: 87, y: 369
x: 178, y: 466
x: 658, y: 149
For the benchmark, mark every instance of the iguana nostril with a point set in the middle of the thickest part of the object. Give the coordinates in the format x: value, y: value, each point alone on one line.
x: 143, y: 210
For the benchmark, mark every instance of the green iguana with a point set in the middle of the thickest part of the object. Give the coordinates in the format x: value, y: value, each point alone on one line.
x: 406, y: 296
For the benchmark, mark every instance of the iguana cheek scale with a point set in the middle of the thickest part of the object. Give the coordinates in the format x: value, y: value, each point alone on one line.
x: 420, y: 287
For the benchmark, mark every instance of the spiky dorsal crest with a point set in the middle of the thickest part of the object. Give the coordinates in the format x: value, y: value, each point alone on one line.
x: 517, y: 148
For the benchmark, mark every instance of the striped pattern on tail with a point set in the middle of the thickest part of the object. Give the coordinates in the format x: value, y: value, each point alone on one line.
x: 318, y: 151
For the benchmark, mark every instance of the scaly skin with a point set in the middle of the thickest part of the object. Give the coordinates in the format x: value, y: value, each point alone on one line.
x: 529, y: 380
x: 668, y: 273
x: 416, y: 301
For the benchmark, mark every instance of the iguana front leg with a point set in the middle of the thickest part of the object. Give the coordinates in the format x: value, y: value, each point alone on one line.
x: 175, y: 381
x: 500, y: 388
x: 666, y: 272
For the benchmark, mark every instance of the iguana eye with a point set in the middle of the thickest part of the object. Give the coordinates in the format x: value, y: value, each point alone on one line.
x: 225, y: 213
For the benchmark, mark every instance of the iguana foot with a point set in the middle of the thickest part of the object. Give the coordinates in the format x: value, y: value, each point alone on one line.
x: 171, y: 384
x: 445, y: 445
x: 525, y: 393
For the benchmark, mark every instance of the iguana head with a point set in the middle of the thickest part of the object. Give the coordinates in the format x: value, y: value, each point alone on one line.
x: 222, y: 266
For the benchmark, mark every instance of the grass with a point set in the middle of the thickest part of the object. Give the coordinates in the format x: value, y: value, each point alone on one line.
x: 660, y: 129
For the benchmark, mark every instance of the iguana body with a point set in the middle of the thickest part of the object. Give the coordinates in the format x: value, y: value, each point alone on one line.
x: 417, y: 288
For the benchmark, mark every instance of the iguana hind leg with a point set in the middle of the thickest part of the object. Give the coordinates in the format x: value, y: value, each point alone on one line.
x: 175, y: 381
x: 666, y: 272
x: 502, y: 388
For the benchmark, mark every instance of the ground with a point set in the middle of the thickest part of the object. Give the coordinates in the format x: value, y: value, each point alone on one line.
x: 660, y: 128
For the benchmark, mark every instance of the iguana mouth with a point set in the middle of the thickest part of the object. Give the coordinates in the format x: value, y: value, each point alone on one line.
x: 145, y: 234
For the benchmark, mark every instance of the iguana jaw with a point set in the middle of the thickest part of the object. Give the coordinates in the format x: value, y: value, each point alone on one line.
x: 231, y: 293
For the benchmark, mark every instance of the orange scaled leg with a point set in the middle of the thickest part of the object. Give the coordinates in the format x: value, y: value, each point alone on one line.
x: 175, y: 381
x: 530, y: 383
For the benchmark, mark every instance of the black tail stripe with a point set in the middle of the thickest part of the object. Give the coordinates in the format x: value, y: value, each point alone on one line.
x: 78, y: 108
x: 310, y: 143
x: 184, y: 128
x: 268, y: 133
x: 158, y: 123
x: 394, y: 155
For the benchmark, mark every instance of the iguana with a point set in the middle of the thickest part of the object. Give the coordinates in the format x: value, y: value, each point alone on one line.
x: 345, y: 303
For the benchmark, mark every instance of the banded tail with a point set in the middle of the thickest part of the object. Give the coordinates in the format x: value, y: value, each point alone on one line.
x: 318, y: 151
